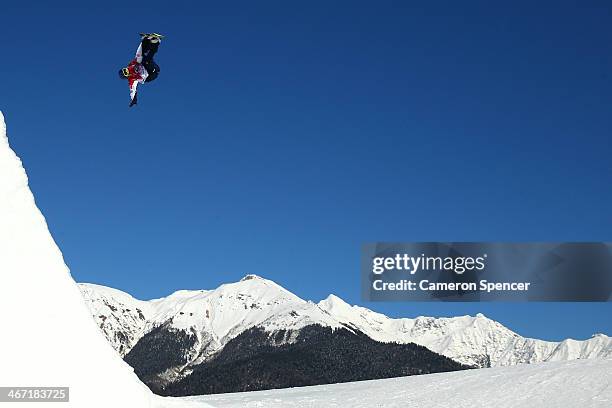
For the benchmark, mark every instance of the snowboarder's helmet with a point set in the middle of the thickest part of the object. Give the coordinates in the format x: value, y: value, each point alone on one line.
x: 124, y: 73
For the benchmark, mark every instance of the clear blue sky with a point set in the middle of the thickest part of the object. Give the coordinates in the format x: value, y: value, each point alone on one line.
x: 280, y: 136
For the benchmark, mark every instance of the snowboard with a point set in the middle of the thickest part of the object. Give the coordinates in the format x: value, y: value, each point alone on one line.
x: 154, y: 35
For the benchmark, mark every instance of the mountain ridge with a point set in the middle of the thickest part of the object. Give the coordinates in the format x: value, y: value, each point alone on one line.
x: 216, y: 316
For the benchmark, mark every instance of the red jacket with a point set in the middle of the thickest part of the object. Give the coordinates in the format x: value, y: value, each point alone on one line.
x: 137, y: 73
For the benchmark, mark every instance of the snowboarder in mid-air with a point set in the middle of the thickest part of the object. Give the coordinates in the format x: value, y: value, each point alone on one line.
x: 142, y: 68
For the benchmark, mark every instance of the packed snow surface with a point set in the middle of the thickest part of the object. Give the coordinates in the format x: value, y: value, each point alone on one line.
x: 49, y: 337
x: 575, y: 384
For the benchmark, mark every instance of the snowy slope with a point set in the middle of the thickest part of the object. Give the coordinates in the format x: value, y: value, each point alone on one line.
x: 219, y: 315
x: 48, y: 335
x: 575, y: 384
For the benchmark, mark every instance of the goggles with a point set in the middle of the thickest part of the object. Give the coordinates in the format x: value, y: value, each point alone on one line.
x: 125, y: 72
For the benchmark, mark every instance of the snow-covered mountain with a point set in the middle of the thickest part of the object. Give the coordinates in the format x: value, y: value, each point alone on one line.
x: 48, y: 337
x: 175, y: 343
x: 216, y: 316
x: 122, y: 319
x: 213, y: 316
x: 473, y: 340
